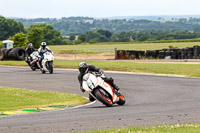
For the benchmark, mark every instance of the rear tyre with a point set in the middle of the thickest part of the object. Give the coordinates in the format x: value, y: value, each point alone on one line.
x: 103, y: 97
x: 121, y: 100
x: 1, y: 55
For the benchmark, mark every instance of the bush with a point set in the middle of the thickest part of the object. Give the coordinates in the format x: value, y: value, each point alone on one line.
x: 67, y: 42
x: 172, y: 47
x: 93, y: 41
x: 1, y: 44
x: 77, y: 42
x: 19, y: 39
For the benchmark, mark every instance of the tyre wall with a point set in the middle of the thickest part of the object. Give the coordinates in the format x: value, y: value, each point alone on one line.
x: 173, y: 53
x: 12, y: 54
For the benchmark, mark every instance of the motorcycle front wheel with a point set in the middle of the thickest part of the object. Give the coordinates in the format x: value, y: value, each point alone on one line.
x: 50, y: 67
x: 33, y: 68
x: 103, y: 97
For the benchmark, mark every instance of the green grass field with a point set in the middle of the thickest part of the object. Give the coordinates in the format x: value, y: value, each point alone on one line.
x: 190, y: 70
x: 127, y: 46
x: 178, y: 128
x: 13, y: 99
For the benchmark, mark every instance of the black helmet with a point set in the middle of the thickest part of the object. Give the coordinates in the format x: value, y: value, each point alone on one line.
x: 83, y: 67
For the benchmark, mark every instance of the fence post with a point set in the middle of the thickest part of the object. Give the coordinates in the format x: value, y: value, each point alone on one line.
x: 115, y: 53
x: 75, y: 54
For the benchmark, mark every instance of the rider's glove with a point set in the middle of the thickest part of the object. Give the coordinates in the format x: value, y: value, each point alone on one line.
x: 101, y: 71
x: 81, y: 88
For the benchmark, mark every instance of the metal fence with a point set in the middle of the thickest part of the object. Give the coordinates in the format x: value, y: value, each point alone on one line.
x: 84, y: 54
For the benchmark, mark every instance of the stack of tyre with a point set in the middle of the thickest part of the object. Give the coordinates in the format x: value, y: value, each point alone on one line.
x: 196, y: 50
x: 187, y: 53
x: 184, y: 53
x: 12, y: 54
x: 174, y: 53
x: 162, y: 53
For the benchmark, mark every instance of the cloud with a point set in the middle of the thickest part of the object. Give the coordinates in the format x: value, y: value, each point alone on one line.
x: 97, y: 8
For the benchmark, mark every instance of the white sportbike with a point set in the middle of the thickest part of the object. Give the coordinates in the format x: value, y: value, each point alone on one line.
x: 100, y: 90
x: 47, y: 62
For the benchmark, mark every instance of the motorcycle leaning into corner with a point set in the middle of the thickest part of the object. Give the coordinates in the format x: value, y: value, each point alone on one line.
x: 47, y: 63
x: 100, y: 90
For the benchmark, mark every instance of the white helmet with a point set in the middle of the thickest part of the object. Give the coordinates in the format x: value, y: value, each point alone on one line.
x: 43, y: 44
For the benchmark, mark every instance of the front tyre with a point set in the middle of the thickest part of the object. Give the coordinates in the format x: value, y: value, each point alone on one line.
x: 121, y: 100
x: 50, y: 67
x: 43, y: 72
x: 103, y: 97
x: 33, y: 68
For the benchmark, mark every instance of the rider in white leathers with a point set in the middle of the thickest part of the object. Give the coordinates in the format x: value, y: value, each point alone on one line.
x: 43, y: 48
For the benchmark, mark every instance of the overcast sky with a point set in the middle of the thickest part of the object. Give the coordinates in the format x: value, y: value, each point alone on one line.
x: 97, y: 8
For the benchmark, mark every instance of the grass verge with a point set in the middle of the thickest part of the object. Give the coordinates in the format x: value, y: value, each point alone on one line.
x: 13, y: 99
x: 189, y: 70
x: 183, y: 128
x: 127, y: 46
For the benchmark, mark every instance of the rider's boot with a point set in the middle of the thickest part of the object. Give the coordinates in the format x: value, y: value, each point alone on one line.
x: 91, y: 98
x: 40, y: 63
x: 116, y: 88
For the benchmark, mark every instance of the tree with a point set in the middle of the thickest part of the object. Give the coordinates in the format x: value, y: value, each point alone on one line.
x: 124, y: 37
x: 9, y: 27
x: 114, y: 38
x: 35, y: 36
x: 95, y: 37
x: 102, y: 39
x: 105, y: 33
x: 50, y: 35
x: 72, y: 37
x: 19, y: 39
x: 82, y: 37
x: 142, y: 37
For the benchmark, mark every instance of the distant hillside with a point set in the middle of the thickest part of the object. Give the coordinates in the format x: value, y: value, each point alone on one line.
x: 165, y: 17
x: 78, y: 25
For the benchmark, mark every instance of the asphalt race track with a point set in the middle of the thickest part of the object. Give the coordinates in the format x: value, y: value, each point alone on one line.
x: 151, y: 100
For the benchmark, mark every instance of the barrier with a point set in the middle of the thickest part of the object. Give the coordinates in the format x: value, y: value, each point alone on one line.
x: 12, y: 54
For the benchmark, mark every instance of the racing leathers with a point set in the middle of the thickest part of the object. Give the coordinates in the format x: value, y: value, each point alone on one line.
x: 92, y: 68
x: 28, y: 52
x: 41, y: 52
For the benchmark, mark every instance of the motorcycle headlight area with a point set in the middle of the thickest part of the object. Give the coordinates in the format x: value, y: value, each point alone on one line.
x: 90, y: 85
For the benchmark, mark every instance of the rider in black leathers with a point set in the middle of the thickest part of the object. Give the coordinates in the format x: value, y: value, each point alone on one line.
x: 84, y: 68
x: 28, y: 52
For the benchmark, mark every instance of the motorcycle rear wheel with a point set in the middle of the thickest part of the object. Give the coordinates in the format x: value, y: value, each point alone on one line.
x: 105, y: 99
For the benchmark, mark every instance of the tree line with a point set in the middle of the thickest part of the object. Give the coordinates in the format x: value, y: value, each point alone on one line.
x: 36, y: 33
x: 79, y: 25
x: 127, y: 36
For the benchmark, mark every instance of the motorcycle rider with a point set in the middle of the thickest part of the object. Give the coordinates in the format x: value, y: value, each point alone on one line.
x: 43, y: 49
x: 28, y: 52
x: 85, y: 68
